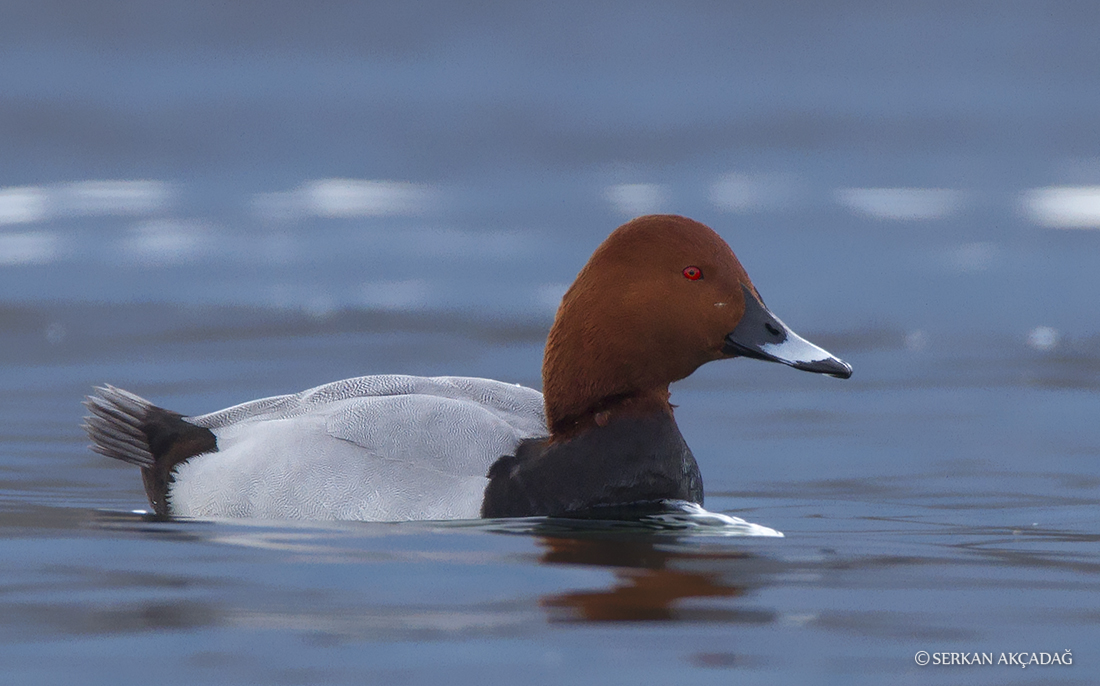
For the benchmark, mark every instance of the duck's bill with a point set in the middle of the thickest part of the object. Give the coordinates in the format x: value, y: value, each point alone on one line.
x: 762, y: 336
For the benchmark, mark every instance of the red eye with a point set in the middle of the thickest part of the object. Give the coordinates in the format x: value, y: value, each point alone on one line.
x: 693, y: 273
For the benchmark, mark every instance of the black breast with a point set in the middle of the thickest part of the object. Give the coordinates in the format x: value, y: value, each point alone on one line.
x: 632, y: 460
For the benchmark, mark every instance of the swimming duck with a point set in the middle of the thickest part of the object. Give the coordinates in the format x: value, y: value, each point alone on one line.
x: 659, y: 297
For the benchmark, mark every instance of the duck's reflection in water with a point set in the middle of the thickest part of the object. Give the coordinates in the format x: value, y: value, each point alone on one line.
x: 652, y: 581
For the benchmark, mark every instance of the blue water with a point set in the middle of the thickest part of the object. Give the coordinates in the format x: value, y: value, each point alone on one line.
x: 207, y: 204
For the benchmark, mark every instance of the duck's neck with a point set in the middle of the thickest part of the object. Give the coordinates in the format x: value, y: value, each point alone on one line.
x: 602, y: 355
x: 590, y: 374
x: 613, y: 440
x: 602, y: 412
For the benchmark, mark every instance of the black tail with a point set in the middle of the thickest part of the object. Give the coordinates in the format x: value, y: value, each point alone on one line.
x: 132, y: 429
x: 115, y: 425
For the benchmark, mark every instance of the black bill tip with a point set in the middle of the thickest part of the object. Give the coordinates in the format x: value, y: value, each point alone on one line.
x: 833, y: 366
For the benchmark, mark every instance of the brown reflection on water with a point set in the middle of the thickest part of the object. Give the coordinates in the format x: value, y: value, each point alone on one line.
x: 648, y: 586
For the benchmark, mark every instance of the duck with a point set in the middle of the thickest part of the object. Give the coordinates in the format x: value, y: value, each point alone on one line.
x: 660, y: 297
